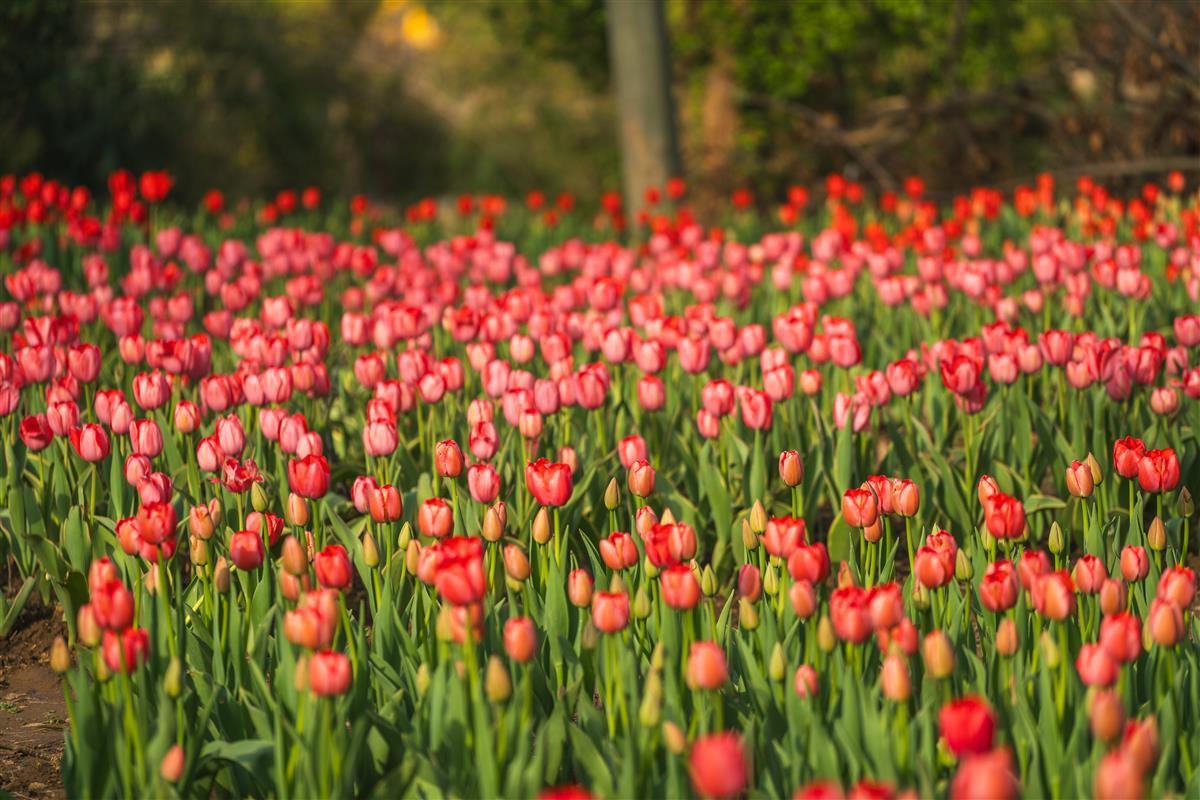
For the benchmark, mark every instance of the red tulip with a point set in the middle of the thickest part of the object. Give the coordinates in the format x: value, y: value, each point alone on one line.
x: 718, y: 765
x: 791, y: 468
x: 680, y: 589
x: 1178, y: 585
x: 999, y: 587
x: 127, y: 650
x: 1121, y: 637
x: 1158, y: 471
x: 706, y: 668
x: 520, y: 639
x: 1134, y: 563
x: 610, y: 611
x: 309, y: 476
x: 809, y: 563
x: 968, y: 725
x: 1005, y: 516
x: 448, y: 459
x: 1095, y: 666
x: 332, y: 566
x: 484, y: 482
x: 1127, y: 456
x: 783, y: 535
x: 1054, y: 595
x: 90, y: 442
x: 849, y: 612
x: 549, y: 483
x: 619, y: 551
x: 860, y: 507
x: 989, y: 776
x: 459, y: 578
x: 329, y: 673
x: 385, y: 504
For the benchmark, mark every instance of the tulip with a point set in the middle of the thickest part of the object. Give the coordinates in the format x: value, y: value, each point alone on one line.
x: 1095, y: 666
x: 619, y: 551
x: 246, y: 550
x: 967, y: 725
x: 894, y: 679
x: 516, y: 564
x: 805, y: 683
x: 385, y: 504
x: 706, y: 668
x: 1135, y: 564
x: 484, y: 482
x: 782, y: 536
x: 849, y: 612
x: 329, y: 673
x: 641, y: 479
x: 1089, y: 574
x: 549, y: 483
x: 938, y: 654
x: 989, y: 776
x: 520, y: 639
x: 579, y: 588
x: 610, y: 611
x: 90, y: 442
x: 809, y: 562
x: 1178, y: 585
x: 309, y: 476
x: 1165, y: 623
x: 332, y: 566
x: 680, y: 589
x: 435, y: 518
x: 1079, y: 479
x: 1158, y: 471
x: 1106, y: 715
x: 860, y: 507
x: 1113, y: 596
x: 1054, y: 595
x: 791, y: 468
x: 718, y: 765
x: 127, y: 650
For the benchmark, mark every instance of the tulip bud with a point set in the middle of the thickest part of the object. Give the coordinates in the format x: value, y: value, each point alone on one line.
x: 1056, y: 542
x: 103, y: 673
x: 200, y: 522
x: 497, y: 684
x: 516, y: 563
x: 295, y: 560
x: 771, y: 581
x: 658, y: 657
x: 1113, y: 596
x: 987, y: 540
x: 963, y: 570
x: 171, y: 768
x: 423, y: 679
x: 749, y: 539
x: 894, y: 678
x: 1094, y: 466
x: 1050, y: 654
x: 845, y: 576
x: 493, y: 528
x: 444, y: 627
x: 758, y: 517
x: 214, y: 510
x: 1156, y: 536
x: 296, y: 510
x: 1006, y: 637
x: 300, y: 673
x: 579, y: 588
x: 541, y: 526
x: 649, y: 569
x: 1106, y: 714
x: 668, y: 517
x: 221, y: 575
x: 258, y: 498
x: 370, y: 550
x: 173, y: 679
x: 791, y: 468
x: 674, y: 738
x: 612, y: 495
x: 616, y: 585
x: 198, y: 551
x: 938, y: 654
x: 649, y: 711
x: 405, y: 536
x: 747, y: 615
x: 60, y: 656
x: 920, y: 595
x: 640, y: 607
x: 826, y: 640
x: 708, y: 581
x: 89, y: 630
x: 590, y: 637
x: 777, y: 666
x: 1185, y: 507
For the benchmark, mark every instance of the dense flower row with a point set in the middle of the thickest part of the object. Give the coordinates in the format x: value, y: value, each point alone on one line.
x: 894, y: 501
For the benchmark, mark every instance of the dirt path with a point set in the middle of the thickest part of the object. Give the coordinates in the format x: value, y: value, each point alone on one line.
x: 32, y: 711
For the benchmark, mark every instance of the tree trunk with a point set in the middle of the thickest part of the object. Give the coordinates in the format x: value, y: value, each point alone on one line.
x: 638, y: 52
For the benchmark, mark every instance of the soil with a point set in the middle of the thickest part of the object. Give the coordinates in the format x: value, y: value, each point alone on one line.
x: 32, y: 712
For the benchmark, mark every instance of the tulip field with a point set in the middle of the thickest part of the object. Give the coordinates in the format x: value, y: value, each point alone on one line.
x: 856, y: 494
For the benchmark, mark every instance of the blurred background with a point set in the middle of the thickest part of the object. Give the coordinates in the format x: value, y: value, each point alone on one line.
x: 400, y: 99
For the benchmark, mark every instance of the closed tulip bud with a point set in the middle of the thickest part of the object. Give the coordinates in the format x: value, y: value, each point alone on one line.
x: 640, y: 607
x: 493, y: 528
x: 674, y: 738
x: 804, y: 599
x: 221, y: 575
x: 423, y: 680
x: 749, y: 538
x: 706, y: 666
x: 668, y: 517
x: 370, y: 551
x: 1185, y: 507
x: 987, y: 540
x: 1050, y: 654
x: 1165, y: 623
x: 405, y: 536
x: 173, y: 679
x: 258, y: 498
x: 777, y: 666
x: 103, y: 673
x: 1113, y: 596
x: 649, y: 569
x: 444, y: 627
x: 791, y: 467
x: 826, y: 639
x: 747, y: 615
x: 1006, y: 637
x: 771, y: 581
x: 88, y: 628
x: 590, y: 637
x: 497, y: 684
x: 295, y: 560
x: 758, y: 517
x: 1156, y: 536
x: 1106, y: 714
x: 198, y: 551
x: 617, y: 585
x: 171, y: 768
x: 579, y: 588
x: 845, y: 577
x: 541, y: 526
x: 963, y: 569
x: 805, y: 682
x: 516, y: 563
x: 60, y: 656
x: 412, y: 557
x: 708, y: 581
x: 1056, y: 541
x: 920, y: 595
x: 200, y: 522
x: 296, y: 510
x: 612, y: 495
x: 1079, y: 479
x: 894, y: 678
x: 650, y: 709
x: 1094, y: 466
x: 938, y: 654
x: 641, y: 479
